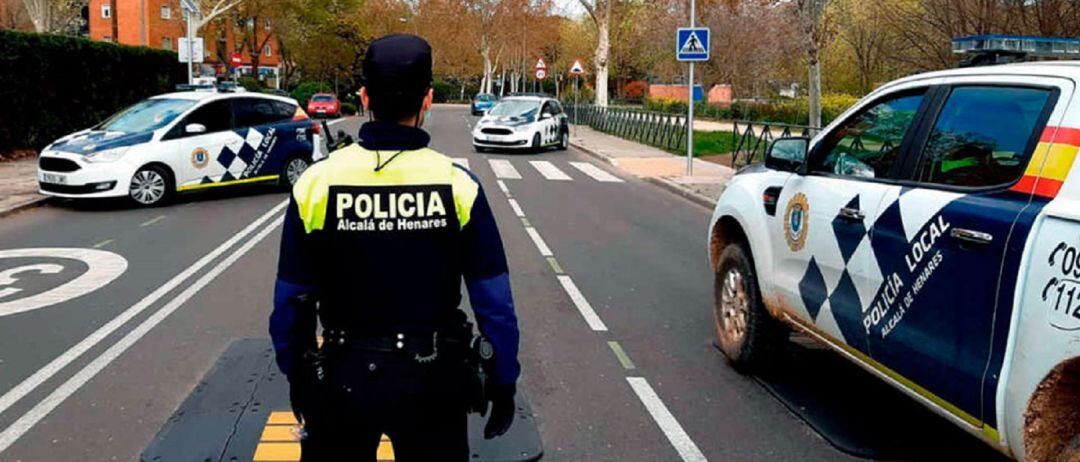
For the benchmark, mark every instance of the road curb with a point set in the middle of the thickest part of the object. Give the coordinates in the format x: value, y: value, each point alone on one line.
x: 669, y: 185
x: 36, y: 202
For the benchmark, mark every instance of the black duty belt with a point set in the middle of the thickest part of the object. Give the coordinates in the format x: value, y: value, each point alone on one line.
x: 421, y: 344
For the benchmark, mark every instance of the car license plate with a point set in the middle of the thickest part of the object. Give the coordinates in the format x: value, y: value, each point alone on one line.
x: 320, y: 110
x: 53, y: 178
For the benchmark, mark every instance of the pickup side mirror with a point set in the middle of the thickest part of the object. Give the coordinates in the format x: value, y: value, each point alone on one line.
x: 787, y: 154
x: 194, y: 129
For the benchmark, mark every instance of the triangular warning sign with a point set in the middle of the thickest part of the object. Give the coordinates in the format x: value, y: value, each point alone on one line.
x: 540, y: 64
x: 577, y: 68
x: 692, y: 44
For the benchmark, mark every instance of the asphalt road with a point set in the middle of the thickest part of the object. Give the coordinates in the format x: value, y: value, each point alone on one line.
x: 95, y: 376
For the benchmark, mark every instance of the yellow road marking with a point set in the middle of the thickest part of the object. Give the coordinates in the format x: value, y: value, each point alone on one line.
x: 152, y: 221
x: 280, y: 442
x: 555, y: 265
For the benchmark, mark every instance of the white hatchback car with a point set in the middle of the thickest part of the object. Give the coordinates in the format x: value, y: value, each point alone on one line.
x: 523, y: 122
x: 184, y: 141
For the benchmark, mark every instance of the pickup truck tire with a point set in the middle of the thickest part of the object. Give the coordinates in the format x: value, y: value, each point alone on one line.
x: 745, y: 332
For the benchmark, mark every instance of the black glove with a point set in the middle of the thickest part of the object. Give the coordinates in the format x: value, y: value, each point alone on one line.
x: 502, y: 410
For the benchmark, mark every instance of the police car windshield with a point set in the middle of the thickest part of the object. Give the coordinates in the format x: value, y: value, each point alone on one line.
x: 148, y: 115
x: 519, y: 108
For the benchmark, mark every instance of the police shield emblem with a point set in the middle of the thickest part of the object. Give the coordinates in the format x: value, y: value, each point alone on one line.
x: 199, y: 158
x: 795, y: 222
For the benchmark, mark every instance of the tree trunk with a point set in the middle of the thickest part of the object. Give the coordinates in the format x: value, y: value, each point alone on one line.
x: 603, y: 49
x: 815, y: 88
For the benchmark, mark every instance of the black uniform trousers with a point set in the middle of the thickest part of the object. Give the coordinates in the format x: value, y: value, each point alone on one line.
x: 421, y: 406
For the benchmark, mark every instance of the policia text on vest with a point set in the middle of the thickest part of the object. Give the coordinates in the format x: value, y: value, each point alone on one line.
x: 377, y: 209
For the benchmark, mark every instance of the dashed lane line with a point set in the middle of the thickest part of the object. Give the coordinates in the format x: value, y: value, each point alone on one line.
x: 539, y: 241
x: 517, y: 208
x: 504, y: 169
x: 674, y: 432
x: 586, y: 310
x: 28, y: 385
x: 503, y: 187
x: 555, y: 265
x: 624, y: 358
x: 102, y: 243
x: 152, y: 221
x: 549, y: 170
x: 596, y: 173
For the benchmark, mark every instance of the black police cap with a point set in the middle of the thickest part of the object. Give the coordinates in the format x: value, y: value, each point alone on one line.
x: 399, y: 63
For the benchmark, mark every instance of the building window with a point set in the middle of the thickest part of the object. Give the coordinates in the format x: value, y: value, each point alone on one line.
x: 266, y: 51
x: 166, y: 43
x: 266, y: 25
x: 166, y: 12
x: 106, y: 10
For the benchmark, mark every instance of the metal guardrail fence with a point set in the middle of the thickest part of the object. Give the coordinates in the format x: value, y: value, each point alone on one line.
x: 752, y: 139
x: 665, y: 131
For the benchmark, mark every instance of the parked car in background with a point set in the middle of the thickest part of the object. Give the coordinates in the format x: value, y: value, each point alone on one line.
x: 482, y: 102
x: 523, y: 123
x: 324, y: 105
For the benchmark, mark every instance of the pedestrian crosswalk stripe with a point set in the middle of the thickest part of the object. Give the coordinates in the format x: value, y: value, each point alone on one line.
x: 462, y: 162
x: 280, y: 441
x: 549, y: 171
x: 504, y: 169
x: 596, y: 173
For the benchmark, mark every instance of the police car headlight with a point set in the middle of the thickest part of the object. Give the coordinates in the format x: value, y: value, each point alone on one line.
x: 108, y: 155
x: 522, y: 128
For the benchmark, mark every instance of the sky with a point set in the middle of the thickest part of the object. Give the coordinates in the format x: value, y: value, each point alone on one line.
x: 570, y: 8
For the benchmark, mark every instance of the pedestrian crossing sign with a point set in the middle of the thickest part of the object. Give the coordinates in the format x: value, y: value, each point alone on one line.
x: 692, y: 44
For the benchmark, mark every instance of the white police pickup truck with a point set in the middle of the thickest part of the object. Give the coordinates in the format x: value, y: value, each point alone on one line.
x: 930, y: 234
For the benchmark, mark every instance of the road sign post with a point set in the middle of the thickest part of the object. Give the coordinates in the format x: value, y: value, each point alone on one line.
x: 192, y: 10
x: 577, y: 69
x: 691, y: 45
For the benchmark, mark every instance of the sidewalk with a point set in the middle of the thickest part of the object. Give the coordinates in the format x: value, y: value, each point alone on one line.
x: 655, y: 166
x: 19, y: 186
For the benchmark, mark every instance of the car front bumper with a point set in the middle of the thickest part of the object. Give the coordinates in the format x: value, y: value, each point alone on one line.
x: 89, y: 180
x: 515, y: 140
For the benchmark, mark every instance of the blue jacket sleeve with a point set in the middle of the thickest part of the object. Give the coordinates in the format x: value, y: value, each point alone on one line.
x: 292, y: 324
x: 488, y: 281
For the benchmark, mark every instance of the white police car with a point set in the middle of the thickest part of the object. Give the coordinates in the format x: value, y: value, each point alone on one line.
x: 523, y: 122
x: 930, y: 234
x: 183, y: 141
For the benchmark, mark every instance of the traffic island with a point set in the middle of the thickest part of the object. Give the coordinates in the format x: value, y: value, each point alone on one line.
x: 240, y: 411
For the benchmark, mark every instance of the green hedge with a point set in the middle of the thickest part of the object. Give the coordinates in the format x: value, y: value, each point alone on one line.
x: 52, y: 85
x: 791, y: 111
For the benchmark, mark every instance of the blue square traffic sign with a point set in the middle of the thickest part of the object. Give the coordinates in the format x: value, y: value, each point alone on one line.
x: 692, y: 44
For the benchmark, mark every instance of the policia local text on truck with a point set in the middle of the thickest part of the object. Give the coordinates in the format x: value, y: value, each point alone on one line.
x: 376, y: 241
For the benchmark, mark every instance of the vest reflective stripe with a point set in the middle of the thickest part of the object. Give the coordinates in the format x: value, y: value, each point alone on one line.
x: 355, y: 166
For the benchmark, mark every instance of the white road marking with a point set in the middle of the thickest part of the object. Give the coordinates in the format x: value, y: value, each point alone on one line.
x: 596, y: 173
x: 503, y: 187
x: 674, y: 432
x: 583, y: 306
x: 68, y: 388
x: 539, y: 241
x: 102, y: 268
x: 152, y: 221
x: 549, y: 170
x: 29, y: 384
x: 462, y: 162
x: 517, y: 208
x: 504, y: 169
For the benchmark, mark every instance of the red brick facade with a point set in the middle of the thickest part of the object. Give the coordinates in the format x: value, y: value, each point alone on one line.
x: 718, y: 94
x: 160, y: 24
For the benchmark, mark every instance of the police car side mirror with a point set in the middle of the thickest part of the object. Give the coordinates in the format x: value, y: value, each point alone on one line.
x: 787, y: 154
x: 192, y: 129
x: 545, y: 116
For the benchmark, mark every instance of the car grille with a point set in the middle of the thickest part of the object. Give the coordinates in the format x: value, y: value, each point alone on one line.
x: 496, y: 131
x: 55, y: 164
x: 67, y: 189
x: 500, y: 143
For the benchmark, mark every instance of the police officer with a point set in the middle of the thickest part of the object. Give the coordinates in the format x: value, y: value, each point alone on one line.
x: 381, y: 234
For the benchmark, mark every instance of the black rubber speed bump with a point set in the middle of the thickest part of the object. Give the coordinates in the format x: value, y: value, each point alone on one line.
x: 242, y: 403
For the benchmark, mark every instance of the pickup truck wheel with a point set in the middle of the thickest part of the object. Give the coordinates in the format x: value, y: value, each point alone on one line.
x: 745, y: 332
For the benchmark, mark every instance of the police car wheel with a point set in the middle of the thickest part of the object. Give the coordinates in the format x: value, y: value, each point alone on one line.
x: 536, y: 143
x: 564, y: 140
x: 295, y: 167
x: 150, y: 186
x: 745, y: 332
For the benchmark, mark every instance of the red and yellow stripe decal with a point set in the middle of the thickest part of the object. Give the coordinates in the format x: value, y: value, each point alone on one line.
x: 1054, y: 156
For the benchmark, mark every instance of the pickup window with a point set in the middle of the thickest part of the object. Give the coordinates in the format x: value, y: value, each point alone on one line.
x: 982, y: 136
x: 867, y: 145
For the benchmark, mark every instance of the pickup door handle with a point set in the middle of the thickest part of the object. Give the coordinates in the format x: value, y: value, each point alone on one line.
x: 853, y: 214
x: 975, y: 237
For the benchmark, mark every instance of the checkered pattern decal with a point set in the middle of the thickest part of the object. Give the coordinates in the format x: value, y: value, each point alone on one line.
x: 240, y: 157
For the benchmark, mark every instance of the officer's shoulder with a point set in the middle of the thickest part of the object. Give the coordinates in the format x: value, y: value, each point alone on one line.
x: 317, y: 172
